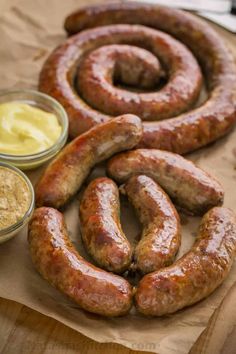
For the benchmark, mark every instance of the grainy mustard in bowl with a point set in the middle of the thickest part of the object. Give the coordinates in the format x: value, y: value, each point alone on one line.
x: 16, y: 201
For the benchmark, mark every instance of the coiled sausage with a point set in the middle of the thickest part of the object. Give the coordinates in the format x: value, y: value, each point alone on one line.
x: 180, y: 134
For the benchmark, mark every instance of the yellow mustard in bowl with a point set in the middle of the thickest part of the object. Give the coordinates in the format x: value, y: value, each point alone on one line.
x: 25, y: 129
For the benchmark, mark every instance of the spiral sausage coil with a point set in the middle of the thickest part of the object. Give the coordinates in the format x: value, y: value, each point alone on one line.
x: 154, y: 52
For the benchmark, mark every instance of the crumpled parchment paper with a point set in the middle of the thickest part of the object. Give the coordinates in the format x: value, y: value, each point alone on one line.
x: 29, y: 30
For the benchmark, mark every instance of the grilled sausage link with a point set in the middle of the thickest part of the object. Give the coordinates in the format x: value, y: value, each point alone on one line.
x: 65, y: 175
x: 100, y: 226
x: 189, y: 186
x: 59, y: 263
x: 181, y: 134
x: 160, y: 238
x: 197, y: 274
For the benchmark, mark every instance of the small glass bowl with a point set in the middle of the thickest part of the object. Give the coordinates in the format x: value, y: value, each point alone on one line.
x: 48, y: 104
x: 11, y: 231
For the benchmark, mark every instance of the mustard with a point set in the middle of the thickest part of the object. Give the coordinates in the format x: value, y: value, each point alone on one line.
x: 26, y: 130
x: 15, y: 197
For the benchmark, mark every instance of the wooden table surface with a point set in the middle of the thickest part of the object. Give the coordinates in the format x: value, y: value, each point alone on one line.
x: 26, y: 331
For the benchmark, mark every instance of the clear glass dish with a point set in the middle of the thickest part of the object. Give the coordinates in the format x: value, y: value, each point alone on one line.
x: 11, y: 231
x: 47, y: 103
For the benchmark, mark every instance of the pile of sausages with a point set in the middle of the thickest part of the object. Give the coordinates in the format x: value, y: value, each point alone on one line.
x: 146, y: 60
x: 152, y: 179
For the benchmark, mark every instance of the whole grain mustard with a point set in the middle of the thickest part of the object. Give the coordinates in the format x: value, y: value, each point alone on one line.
x: 15, y: 197
x: 26, y: 130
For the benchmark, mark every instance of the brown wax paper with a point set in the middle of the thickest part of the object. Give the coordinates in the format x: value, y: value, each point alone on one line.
x: 29, y: 30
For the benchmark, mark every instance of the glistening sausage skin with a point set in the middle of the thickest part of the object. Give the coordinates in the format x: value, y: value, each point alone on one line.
x: 101, y: 230
x: 56, y: 259
x: 197, y: 274
x: 189, y: 186
x: 67, y: 172
x: 191, y: 130
x: 160, y: 239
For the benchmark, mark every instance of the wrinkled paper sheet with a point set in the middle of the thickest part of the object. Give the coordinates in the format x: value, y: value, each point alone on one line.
x: 29, y: 30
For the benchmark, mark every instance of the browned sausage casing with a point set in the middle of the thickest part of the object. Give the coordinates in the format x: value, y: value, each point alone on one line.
x: 160, y: 238
x: 101, y: 230
x: 189, y: 186
x: 56, y: 259
x: 181, y: 134
x: 65, y: 175
x: 197, y: 274
x: 98, y: 69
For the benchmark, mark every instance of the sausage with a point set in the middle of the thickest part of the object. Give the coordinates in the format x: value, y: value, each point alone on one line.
x: 56, y: 259
x: 197, y: 274
x: 189, y: 186
x: 160, y: 239
x: 101, y: 230
x: 131, y: 66
x: 99, y: 67
x: 65, y: 174
x: 181, y: 134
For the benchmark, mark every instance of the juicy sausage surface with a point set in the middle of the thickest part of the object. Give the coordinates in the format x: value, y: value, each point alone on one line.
x: 189, y: 186
x: 160, y: 239
x: 101, y: 230
x: 56, y: 259
x: 98, y: 69
x: 181, y: 134
x: 197, y: 274
x: 66, y: 173
x: 132, y: 66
